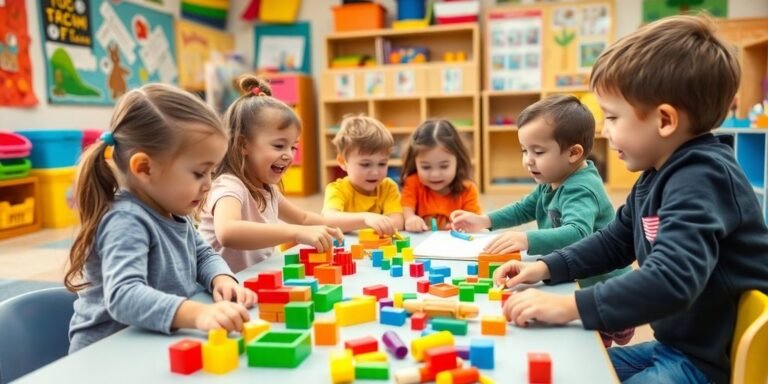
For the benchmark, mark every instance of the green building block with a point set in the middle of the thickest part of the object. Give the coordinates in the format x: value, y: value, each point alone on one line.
x: 486, y: 280
x: 454, y: 326
x: 279, y: 349
x: 293, y: 271
x: 292, y: 258
x: 481, y: 287
x: 458, y: 280
x: 240, y: 345
x: 397, y: 260
x: 326, y: 296
x: 466, y: 293
x: 372, y: 370
x: 492, y: 267
x: 409, y: 296
x: 299, y: 314
x: 400, y: 244
x: 386, y: 264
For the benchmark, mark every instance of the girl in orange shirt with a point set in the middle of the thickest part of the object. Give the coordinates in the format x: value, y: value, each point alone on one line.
x: 436, y: 177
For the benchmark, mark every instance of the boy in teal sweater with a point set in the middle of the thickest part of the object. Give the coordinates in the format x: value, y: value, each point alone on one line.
x: 569, y: 203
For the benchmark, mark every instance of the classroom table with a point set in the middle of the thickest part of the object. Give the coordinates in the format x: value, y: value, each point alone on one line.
x: 138, y: 356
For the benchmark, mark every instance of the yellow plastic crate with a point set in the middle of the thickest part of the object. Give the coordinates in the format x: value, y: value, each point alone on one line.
x: 279, y: 11
x: 56, y: 196
x: 16, y: 215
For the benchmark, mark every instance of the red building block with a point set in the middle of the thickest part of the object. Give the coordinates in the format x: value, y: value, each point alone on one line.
x: 362, y: 345
x: 186, y: 356
x: 440, y: 359
x: 539, y: 368
x: 416, y: 269
x: 252, y: 284
x: 379, y: 290
x: 328, y: 274
x: 270, y: 280
x: 274, y: 296
x: 418, y: 321
x: 422, y: 286
x: 504, y: 296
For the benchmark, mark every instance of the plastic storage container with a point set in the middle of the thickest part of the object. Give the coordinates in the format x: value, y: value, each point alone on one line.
x: 54, y: 148
x: 279, y: 11
x: 411, y: 9
x: 355, y: 17
x: 16, y: 215
x: 13, y: 146
x: 14, y: 168
x: 56, y: 196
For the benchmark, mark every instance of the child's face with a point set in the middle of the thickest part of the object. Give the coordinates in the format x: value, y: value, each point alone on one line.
x: 635, y: 139
x: 542, y: 156
x: 365, y: 171
x: 436, y: 168
x: 269, y: 154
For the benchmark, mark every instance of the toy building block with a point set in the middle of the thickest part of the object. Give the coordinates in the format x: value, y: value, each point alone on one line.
x: 372, y: 370
x: 320, y: 257
x: 386, y: 302
x: 458, y: 280
x: 252, y: 284
x: 539, y: 368
x: 362, y: 345
x: 219, y: 353
x: 386, y: 264
x: 326, y: 332
x: 310, y: 282
x: 342, y: 367
x: 398, y: 299
x: 462, y: 351
x: 493, y: 325
x: 486, y: 280
x: 328, y: 274
x: 436, y: 278
x: 481, y: 353
x: 396, y: 271
x: 292, y: 258
x: 326, y: 297
x: 367, y: 234
x: 486, y: 380
x: 299, y: 315
x: 504, y: 296
x: 355, y: 312
x: 494, y: 294
x: 357, y: 251
x: 422, y: 286
x: 403, y: 243
x: 371, y: 357
x: 416, y: 269
x: 186, y: 356
x: 441, y: 358
x: 455, y: 326
x: 274, y: 296
x: 397, y: 260
x: 300, y: 294
x: 393, y: 316
x: 337, y: 243
x: 492, y: 268
x: 283, y: 349
x: 409, y: 296
x: 254, y: 328
x: 481, y: 287
x: 389, y: 251
x: 443, y: 270
x: 407, y: 253
x: 293, y: 271
x: 433, y: 225
x: 394, y: 344
x: 422, y: 344
x: 467, y: 293
x: 270, y: 280
x: 484, y: 260
x: 472, y: 269
x: 471, y: 279
x: 268, y: 316
x: 377, y: 256
x: 418, y: 321
x: 442, y: 308
x: 426, y: 262
x: 240, y: 344
x: 443, y: 290
x: 458, y: 376
x: 379, y: 290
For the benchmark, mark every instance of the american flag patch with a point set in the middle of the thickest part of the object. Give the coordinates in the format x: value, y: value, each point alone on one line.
x: 651, y: 227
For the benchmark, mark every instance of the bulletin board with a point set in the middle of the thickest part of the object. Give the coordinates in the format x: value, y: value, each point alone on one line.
x: 15, y: 66
x: 284, y: 48
x: 195, y: 44
x: 96, y: 50
x: 546, y: 46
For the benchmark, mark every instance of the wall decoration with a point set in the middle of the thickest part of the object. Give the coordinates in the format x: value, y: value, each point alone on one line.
x: 657, y: 9
x: 405, y: 82
x: 283, y: 47
x: 195, y: 45
x: 15, y: 66
x: 344, y: 84
x: 374, y: 84
x: 515, y: 49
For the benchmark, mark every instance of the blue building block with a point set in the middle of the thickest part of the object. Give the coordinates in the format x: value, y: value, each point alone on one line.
x: 393, y: 316
x: 396, y: 271
x: 436, y: 278
x: 337, y: 243
x: 481, y: 353
x: 377, y: 255
x: 443, y: 270
x: 426, y: 263
x: 305, y: 282
x: 472, y: 269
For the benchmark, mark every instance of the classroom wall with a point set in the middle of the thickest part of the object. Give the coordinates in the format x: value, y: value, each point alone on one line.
x: 317, y: 11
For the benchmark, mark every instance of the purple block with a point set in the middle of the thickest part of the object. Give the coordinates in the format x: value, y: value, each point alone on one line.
x: 386, y: 302
x: 394, y: 344
x: 462, y: 351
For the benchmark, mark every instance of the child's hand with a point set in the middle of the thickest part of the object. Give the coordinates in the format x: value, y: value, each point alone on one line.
x: 415, y: 224
x: 469, y: 222
x: 383, y: 225
x: 319, y: 236
x: 224, y: 314
x: 515, y: 272
x: 535, y: 305
x: 227, y: 289
x: 508, y: 242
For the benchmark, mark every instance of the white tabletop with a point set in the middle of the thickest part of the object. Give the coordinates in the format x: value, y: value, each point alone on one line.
x: 138, y: 356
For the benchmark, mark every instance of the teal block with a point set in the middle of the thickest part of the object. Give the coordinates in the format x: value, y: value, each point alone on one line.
x: 310, y: 282
x: 454, y: 326
x: 279, y: 349
x: 386, y: 264
x: 299, y: 314
x: 397, y: 260
x: 292, y: 258
x: 372, y: 370
x: 293, y: 271
x: 326, y: 296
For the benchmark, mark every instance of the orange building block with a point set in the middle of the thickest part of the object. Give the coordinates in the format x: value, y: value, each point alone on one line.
x: 326, y: 332
x: 443, y: 290
x: 493, y: 325
x: 357, y: 251
x: 325, y: 257
x: 471, y: 279
x: 301, y: 294
x: 484, y: 260
x: 272, y: 308
x: 328, y: 274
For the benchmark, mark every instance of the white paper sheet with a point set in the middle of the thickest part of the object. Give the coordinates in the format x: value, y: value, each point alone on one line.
x: 441, y: 245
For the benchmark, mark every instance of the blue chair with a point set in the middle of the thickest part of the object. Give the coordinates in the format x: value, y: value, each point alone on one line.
x: 34, y: 330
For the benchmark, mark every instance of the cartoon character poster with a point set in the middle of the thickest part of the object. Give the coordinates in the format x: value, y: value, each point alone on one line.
x: 15, y: 66
x: 96, y: 50
x: 195, y: 45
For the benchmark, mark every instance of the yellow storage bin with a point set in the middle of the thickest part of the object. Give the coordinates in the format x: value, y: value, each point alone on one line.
x: 56, y: 196
x: 293, y: 182
x: 279, y: 11
x: 17, y: 215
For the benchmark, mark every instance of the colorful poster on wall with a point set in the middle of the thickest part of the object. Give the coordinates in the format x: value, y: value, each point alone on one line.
x: 195, y: 45
x: 15, y: 66
x: 96, y: 50
x: 515, y: 49
x: 656, y: 9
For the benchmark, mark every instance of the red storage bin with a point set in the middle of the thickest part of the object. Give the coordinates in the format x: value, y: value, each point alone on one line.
x: 14, y: 146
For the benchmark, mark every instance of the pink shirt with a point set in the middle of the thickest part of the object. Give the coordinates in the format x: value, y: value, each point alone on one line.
x: 231, y: 186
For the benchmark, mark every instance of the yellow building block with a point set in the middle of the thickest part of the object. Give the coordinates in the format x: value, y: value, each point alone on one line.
x: 390, y: 251
x: 494, y: 294
x: 367, y: 234
x: 220, y: 354
x: 342, y: 367
x: 397, y: 301
x: 486, y: 380
x: 407, y: 253
x: 357, y: 311
x: 371, y: 356
x: 319, y: 258
x: 254, y: 328
x: 437, y: 339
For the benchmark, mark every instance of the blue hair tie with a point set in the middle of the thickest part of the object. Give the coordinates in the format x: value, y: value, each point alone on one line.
x: 108, y: 138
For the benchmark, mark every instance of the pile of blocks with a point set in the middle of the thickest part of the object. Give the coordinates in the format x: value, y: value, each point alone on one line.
x: 273, y: 296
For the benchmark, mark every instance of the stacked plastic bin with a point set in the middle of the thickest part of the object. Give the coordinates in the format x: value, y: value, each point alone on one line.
x: 18, y: 192
x: 54, y: 156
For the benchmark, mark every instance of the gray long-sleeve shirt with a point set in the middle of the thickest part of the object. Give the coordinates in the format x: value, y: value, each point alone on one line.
x: 143, y: 266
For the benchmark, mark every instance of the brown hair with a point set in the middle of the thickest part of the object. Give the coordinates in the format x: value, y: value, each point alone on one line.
x: 364, y: 134
x: 430, y: 134
x: 573, y: 123
x: 243, y: 119
x: 677, y: 60
x: 154, y: 119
